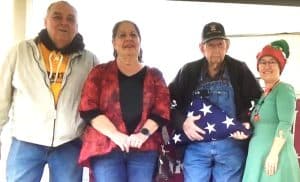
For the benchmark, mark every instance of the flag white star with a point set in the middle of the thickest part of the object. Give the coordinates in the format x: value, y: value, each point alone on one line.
x: 176, y: 138
x: 173, y: 104
x: 210, y: 127
x: 191, y: 103
x: 228, y: 122
x: 206, y: 109
x: 190, y: 113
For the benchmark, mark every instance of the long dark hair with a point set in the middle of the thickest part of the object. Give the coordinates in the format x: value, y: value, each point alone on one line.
x: 114, y: 34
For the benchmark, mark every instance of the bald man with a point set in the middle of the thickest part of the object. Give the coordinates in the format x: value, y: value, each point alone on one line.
x: 41, y: 82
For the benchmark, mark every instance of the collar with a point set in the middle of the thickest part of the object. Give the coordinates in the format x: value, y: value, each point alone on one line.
x: 205, y: 74
x: 75, y: 46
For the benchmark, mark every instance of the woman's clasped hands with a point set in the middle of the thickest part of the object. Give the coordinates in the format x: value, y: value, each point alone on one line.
x: 125, y: 142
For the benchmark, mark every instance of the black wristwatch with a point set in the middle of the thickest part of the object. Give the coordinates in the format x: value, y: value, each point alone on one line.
x: 145, y: 131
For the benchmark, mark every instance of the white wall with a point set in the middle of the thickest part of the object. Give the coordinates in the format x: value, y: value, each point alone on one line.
x: 6, y: 40
x: 171, y: 31
x: 6, y: 37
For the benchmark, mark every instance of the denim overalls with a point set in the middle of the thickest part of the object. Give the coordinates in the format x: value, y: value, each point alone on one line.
x: 222, y: 160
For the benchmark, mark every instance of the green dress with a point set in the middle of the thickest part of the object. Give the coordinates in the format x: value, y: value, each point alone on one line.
x: 276, y: 112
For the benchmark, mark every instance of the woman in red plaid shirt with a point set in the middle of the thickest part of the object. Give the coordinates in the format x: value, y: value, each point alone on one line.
x: 124, y: 103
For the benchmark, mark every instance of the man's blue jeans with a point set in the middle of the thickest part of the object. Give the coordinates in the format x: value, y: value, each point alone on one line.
x: 216, y: 161
x: 26, y: 162
x: 119, y: 166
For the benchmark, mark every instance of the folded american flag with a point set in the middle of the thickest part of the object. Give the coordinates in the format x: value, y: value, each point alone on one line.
x: 216, y: 123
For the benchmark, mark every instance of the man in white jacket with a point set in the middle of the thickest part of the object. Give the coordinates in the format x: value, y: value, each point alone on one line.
x: 41, y: 81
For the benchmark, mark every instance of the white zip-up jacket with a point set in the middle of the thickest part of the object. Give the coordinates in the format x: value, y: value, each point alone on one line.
x: 27, y: 101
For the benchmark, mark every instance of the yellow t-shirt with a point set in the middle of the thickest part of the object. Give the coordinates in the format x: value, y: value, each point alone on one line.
x: 56, y: 65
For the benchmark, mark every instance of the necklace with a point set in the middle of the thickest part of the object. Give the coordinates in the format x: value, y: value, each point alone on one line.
x: 267, y: 91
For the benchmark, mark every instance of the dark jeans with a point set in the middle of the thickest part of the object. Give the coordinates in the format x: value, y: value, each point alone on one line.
x: 217, y: 161
x: 119, y: 166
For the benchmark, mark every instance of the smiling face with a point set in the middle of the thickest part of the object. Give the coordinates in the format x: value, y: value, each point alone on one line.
x: 268, y: 69
x: 61, y: 24
x: 127, y: 40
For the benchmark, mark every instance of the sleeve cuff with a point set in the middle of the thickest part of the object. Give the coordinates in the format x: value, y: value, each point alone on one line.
x: 87, y: 116
x: 158, y: 120
x: 177, y: 119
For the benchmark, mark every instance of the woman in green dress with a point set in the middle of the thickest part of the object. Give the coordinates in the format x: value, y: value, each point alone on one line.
x: 272, y: 156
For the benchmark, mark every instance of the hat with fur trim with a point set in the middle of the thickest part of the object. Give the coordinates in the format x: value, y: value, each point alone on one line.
x: 278, y: 49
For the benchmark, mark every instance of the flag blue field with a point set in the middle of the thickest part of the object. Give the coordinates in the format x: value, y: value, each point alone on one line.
x: 216, y: 123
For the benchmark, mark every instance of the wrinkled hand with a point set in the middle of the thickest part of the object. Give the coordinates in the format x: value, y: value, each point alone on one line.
x: 271, y: 164
x: 239, y: 135
x: 137, y: 140
x: 122, y: 140
x: 192, y: 131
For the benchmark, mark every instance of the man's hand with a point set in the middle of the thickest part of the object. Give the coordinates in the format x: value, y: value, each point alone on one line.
x: 192, y: 131
x: 238, y: 135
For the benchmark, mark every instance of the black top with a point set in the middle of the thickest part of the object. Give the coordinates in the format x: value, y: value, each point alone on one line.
x: 246, y: 88
x: 131, y: 98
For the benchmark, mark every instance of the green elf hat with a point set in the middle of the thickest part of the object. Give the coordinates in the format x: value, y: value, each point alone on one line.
x: 278, y: 49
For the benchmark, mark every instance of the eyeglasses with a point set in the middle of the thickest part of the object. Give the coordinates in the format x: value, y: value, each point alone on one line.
x: 265, y: 63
